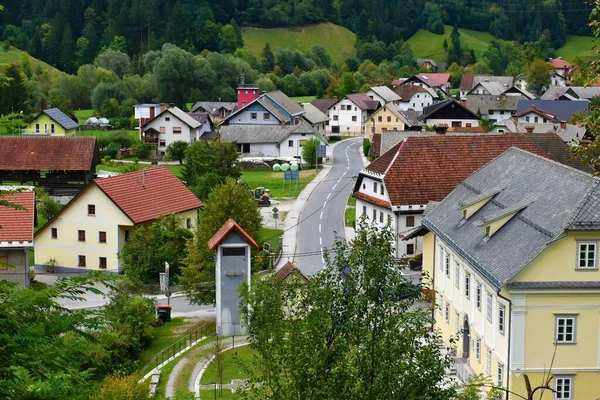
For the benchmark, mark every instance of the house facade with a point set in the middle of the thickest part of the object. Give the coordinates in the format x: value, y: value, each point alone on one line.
x: 170, y: 126
x: 51, y: 122
x: 16, y: 237
x: 90, y: 231
x: 537, y: 309
x: 349, y: 115
x: 451, y: 113
x: 382, y: 94
x: 272, y: 108
x: 414, y: 97
x: 388, y: 117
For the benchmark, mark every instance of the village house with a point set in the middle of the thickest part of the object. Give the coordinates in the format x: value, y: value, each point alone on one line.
x: 218, y: 110
x: 440, y: 82
x: 563, y: 110
x: 415, y: 97
x: 451, y: 113
x: 563, y: 71
x: 573, y: 93
x: 382, y: 94
x: 315, y: 117
x: 389, y: 117
x: 349, y: 115
x: 492, y: 107
x: 52, y: 122
x: 90, y: 231
x: 512, y: 253
x: 16, y: 236
x: 144, y: 112
x: 428, y: 63
x: 396, y: 188
x: 272, y: 108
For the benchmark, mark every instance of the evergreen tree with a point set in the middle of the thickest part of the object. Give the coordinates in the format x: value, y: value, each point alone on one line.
x: 267, y: 59
x: 13, y: 92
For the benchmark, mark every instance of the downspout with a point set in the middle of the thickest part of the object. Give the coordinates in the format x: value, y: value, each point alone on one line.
x: 433, y: 282
x: 509, y: 342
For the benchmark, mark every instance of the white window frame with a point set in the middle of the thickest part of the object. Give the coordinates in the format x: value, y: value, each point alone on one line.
x: 501, y: 318
x: 559, y: 387
x: 490, y: 306
x: 478, y: 350
x: 467, y: 285
x: 441, y: 258
x: 478, y: 291
x: 447, y: 312
x: 560, y: 324
x: 500, y: 374
x: 457, y: 274
x: 456, y: 321
x: 447, y: 265
x: 586, y: 258
x: 441, y: 304
x: 488, y: 361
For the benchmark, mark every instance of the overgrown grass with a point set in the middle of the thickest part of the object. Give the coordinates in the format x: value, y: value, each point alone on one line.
x: 581, y: 46
x: 350, y: 213
x: 235, y: 362
x: 271, y: 236
x: 303, y: 99
x: 135, y: 135
x: 274, y: 181
x: 337, y: 40
x: 14, y: 55
x: 83, y: 115
x: 122, y: 168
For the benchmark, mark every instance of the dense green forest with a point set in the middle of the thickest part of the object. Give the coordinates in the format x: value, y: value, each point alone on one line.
x: 68, y: 33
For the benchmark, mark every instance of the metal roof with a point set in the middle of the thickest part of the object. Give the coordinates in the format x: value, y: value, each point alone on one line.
x: 60, y: 117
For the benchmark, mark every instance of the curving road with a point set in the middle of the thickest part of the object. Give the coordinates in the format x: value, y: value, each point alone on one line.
x: 322, y: 218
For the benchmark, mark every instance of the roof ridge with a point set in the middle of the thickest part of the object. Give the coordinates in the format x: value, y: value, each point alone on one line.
x: 583, y: 201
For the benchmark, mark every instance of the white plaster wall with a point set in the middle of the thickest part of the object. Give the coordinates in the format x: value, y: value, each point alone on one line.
x: 474, y: 122
x: 345, y: 122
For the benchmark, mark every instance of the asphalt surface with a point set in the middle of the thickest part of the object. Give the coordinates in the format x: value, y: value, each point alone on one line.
x: 322, y: 217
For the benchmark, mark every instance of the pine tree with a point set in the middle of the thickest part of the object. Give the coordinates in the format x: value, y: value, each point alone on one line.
x: 67, y: 50
x: 267, y: 58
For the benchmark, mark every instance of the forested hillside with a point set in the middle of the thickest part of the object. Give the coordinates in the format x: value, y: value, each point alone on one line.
x: 69, y: 33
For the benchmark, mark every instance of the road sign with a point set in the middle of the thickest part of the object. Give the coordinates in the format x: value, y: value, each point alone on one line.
x: 290, y: 175
x: 321, y: 151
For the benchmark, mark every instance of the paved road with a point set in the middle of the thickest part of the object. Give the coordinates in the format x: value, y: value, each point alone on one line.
x: 322, y: 218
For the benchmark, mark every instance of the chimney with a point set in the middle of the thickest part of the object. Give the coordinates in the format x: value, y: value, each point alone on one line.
x: 463, y: 101
x: 441, y: 129
x: 529, y: 128
x: 563, y: 125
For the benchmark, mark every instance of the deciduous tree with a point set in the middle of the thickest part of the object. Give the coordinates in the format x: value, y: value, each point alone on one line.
x: 176, y: 151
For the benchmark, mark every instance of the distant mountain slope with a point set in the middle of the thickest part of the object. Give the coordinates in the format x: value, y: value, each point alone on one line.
x: 15, y: 55
x: 581, y: 46
x: 339, y: 41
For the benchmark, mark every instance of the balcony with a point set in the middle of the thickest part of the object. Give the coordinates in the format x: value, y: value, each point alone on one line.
x: 150, y: 139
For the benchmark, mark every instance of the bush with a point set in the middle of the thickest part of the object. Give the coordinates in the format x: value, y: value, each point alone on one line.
x: 122, y: 139
x: 121, y: 388
x: 143, y: 151
x: 334, y: 138
x: 366, y: 146
x: 46, y: 206
x: 111, y: 151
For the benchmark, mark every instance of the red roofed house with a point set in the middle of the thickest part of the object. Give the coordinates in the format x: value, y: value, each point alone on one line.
x: 415, y: 97
x: 395, y: 188
x: 563, y: 68
x: 90, y: 231
x: 349, y: 115
x: 289, y: 272
x: 440, y: 82
x: 16, y: 237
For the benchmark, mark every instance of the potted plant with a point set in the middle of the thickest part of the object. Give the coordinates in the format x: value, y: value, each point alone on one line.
x: 415, y: 263
x: 49, y: 265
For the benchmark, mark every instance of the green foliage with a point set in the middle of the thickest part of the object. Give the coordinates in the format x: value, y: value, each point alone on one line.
x: 46, y: 206
x: 14, y: 92
x: 366, y: 146
x: 113, y: 60
x: 143, y: 151
x: 267, y: 58
x: 121, y: 388
x: 145, y: 254
x: 537, y: 75
x: 309, y: 151
x: 230, y: 199
x: 350, y: 333
x: 176, y: 151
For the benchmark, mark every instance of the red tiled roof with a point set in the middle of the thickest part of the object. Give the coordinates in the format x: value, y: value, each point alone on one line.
x: 372, y: 200
x: 225, y: 230
x: 148, y: 194
x: 287, y: 269
x: 466, y: 83
x: 406, y: 92
x: 560, y: 63
x: 439, y: 78
x: 423, y: 169
x: 323, y: 104
x: 48, y: 153
x: 363, y: 101
x: 17, y: 225
x: 473, y: 129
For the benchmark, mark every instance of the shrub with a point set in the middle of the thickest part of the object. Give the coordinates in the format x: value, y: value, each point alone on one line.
x: 122, y: 388
x: 111, y: 151
x: 366, y: 146
x: 143, y: 151
x: 334, y: 138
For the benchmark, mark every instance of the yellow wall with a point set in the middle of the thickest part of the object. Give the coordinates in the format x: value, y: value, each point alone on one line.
x: 47, y: 122
x: 384, y: 113
x: 473, y: 208
x: 586, y: 386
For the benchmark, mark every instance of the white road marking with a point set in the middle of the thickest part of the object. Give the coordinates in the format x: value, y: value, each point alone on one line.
x: 334, y: 186
x: 319, y: 227
x: 324, y: 204
x: 320, y: 240
x: 321, y: 217
x: 339, y: 180
x: 328, y: 196
x: 345, y: 172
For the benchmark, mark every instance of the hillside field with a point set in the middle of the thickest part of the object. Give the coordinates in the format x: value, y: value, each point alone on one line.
x: 339, y: 41
x: 13, y: 55
x: 582, y: 46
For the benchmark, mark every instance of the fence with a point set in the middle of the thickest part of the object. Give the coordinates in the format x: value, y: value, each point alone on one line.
x: 182, y: 344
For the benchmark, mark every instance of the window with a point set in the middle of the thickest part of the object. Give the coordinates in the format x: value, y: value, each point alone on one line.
x: 478, y: 350
x: 355, y: 109
x: 364, y: 210
x: 102, y: 262
x: 526, y: 119
x: 290, y: 143
x: 91, y: 209
x: 381, y: 189
x: 488, y: 362
x: 354, y: 118
x: 389, y: 119
x: 535, y: 119
x: 456, y: 321
x: 81, y: 236
x: 343, y: 107
x: 245, y: 147
x: 3, y: 263
x: 162, y: 143
x: 374, y: 215
x: 410, y: 249
x: 253, y: 116
x: 447, y: 312
x: 467, y: 285
x: 266, y: 116
x: 51, y: 128
x: 457, y: 274
x: 441, y: 304
x: 456, y: 124
x: 335, y: 118
x: 500, y: 377
x: 37, y: 128
x: 441, y: 258
x: 563, y: 387
x: 176, y: 129
x: 81, y: 262
x: 163, y: 130
x: 167, y: 118
x: 478, y: 296
x: 489, y: 307
x: 188, y: 223
x: 586, y: 256
x: 410, y: 221
x: 374, y: 187
x: 54, y: 233
x: 102, y: 237
x: 565, y: 329
x: 501, y: 318
x: 447, y: 265
x: 381, y: 216
x: 126, y: 235
x: 379, y: 119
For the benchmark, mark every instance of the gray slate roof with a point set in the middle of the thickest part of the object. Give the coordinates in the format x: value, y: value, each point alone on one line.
x: 391, y: 138
x: 61, y: 118
x: 485, y: 103
x: 291, y: 106
x: 264, y: 133
x: 581, y: 92
x: 504, y: 81
x: 563, y: 109
x: 385, y: 93
x: 558, y: 197
x: 555, y: 285
x: 213, y: 107
x: 314, y: 115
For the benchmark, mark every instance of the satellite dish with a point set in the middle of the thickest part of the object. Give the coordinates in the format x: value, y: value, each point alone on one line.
x: 266, y: 247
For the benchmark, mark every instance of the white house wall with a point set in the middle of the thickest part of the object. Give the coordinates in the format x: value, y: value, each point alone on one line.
x: 417, y: 102
x: 464, y: 123
x: 345, y: 118
x: 165, y: 139
x: 291, y: 147
x: 262, y: 150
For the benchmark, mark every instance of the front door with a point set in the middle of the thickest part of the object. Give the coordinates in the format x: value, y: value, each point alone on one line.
x: 466, y: 339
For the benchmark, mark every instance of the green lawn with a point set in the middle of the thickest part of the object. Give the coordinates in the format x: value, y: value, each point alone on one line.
x: 339, y: 41
x: 83, y: 115
x: 581, y: 46
x: 14, y: 55
x: 274, y: 181
x: 271, y: 236
x: 222, y: 395
x: 430, y: 45
x: 121, y: 168
x: 235, y: 362
x: 350, y: 213
x: 303, y: 99
x: 135, y: 135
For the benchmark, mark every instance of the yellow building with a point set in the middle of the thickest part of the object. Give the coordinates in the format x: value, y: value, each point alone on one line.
x: 90, y: 231
x: 51, y: 122
x: 513, y: 257
x: 387, y: 118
